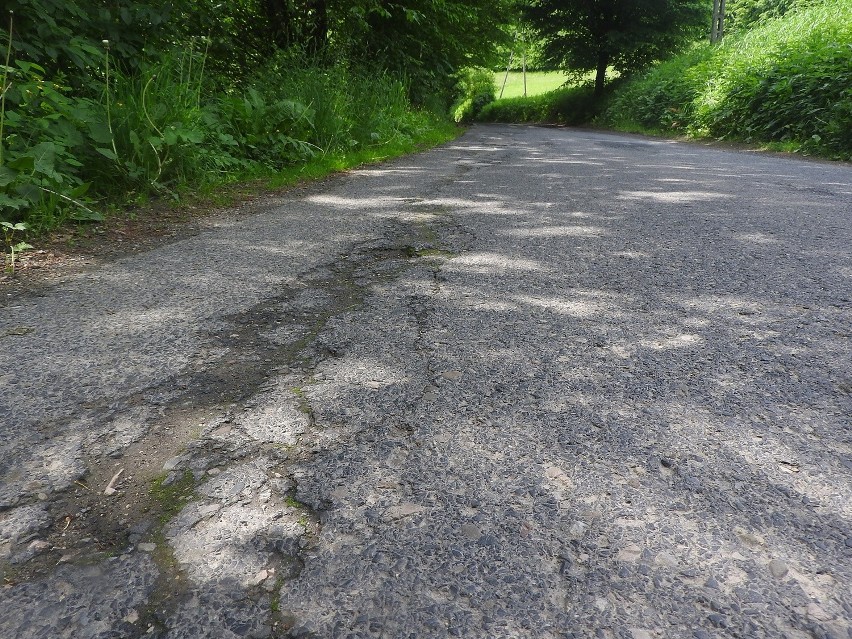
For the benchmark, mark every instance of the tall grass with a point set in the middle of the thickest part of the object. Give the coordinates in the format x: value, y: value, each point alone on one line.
x: 165, y: 127
x: 787, y: 80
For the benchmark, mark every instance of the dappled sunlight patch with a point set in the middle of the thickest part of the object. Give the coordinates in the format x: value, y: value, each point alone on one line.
x: 122, y: 322
x: 755, y: 238
x: 696, y: 322
x: 494, y: 264
x: 672, y: 197
x: 474, y: 147
x: 295, y: 249
x: 27, y: 470
x: 382, y: 172
x: 735, y: 304
x: 351, y: 203
x: 362, y: 371
x: 563, y: 306
x: 237, y: 532
x: 470, y: 298
x: 557, y: 231
x: 633, y: 255
x: 683, y: 340
x: 778, y: 452
x: 490, y: 207
x: 560, y: 161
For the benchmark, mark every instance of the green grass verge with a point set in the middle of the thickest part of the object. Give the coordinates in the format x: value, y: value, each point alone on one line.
x: 437, y: 132
x: 786, y: 83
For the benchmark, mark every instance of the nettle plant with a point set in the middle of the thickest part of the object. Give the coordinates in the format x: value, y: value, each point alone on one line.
x: 13, y: 247
x: 42, y: 132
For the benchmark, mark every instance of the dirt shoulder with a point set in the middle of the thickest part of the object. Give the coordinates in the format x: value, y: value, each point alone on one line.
x: 74, y: 248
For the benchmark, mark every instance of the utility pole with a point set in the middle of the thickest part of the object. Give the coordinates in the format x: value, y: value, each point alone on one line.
x: 506, y: 77
x: 509, y: 66
x: 717, y: 30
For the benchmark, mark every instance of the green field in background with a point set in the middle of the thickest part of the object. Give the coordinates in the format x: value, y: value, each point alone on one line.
x: 538, y: 82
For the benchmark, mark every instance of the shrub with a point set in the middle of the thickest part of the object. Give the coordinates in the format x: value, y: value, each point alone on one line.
x: 787, y: 80
x: 475, y: 89
x: 163, y: 125
x: 572, y: 106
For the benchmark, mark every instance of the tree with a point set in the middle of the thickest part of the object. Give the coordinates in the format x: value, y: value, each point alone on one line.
x: 427, y: 41
x: 593, y: 35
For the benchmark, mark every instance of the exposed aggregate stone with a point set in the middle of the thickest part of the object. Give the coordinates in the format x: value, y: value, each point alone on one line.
x: 538, y: 383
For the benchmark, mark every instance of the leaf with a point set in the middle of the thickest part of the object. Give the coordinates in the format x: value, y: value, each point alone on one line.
x: 192, y: 135
x: 21, y: 246
x: 80, y: 190
x: 7, y: 176
x: 107, y: 153
x: 45, y: 159
x: 25, y: 163
x: 100, y: 132
x: 26, y: 67
x: 14, y: 203
x: 87, y: 215
x: 31, y: 192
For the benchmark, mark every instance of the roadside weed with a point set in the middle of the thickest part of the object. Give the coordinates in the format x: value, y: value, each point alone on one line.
x: 9, y: 230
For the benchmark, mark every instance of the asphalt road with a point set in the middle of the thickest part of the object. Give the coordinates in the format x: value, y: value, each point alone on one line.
x: 536, y: 383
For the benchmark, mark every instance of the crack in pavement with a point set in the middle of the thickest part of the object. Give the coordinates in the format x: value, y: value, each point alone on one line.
x: 232, y: 476
x: 539, y: 383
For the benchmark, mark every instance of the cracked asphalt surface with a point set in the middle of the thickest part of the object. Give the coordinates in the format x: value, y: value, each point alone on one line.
x: 535, y: 383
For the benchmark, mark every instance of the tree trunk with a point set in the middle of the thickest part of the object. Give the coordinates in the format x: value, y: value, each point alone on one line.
x: 600, y: 74
x: 718, y: 28
x: 279, y: 20
x: 318, y: 29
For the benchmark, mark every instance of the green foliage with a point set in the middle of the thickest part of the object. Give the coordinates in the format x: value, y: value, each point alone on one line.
x: 426, y: 41
x: 64, y: 36
x: 13, y: 247
x: 788, y: 80
x: 742, y: 15
x: 665, y: 97
x: 352, y: 106
x: 475, y: 90
x: 594, y: 35
x: 571, y: 105
x: 116, y: 98
x: 44, y: 132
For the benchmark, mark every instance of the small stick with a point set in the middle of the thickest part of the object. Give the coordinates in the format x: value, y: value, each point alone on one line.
x: 110, y: 489
x: 81, y: 485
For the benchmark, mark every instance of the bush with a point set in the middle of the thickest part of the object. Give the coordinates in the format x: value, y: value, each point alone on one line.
x: 475, y: 90
x: 572, y: 106
x: 663, y: 99
x: 164, y: 125
x: 742, y: 15
x: 788, y: 80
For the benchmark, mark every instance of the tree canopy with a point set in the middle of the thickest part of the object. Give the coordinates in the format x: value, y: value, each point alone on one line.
x: 421, y: 40
x: 594, y: 35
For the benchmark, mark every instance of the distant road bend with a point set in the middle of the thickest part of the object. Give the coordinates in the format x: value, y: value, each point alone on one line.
x: 537, y: 383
